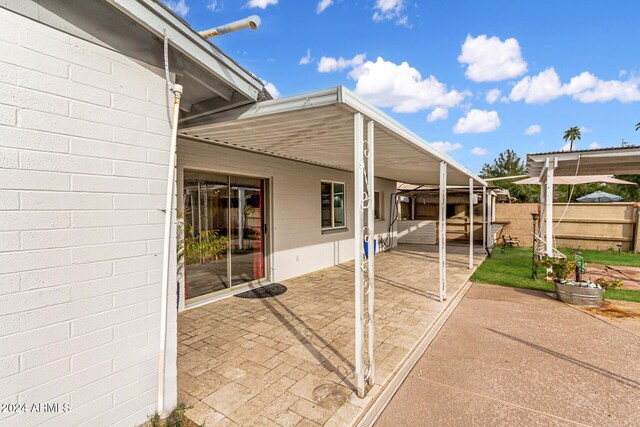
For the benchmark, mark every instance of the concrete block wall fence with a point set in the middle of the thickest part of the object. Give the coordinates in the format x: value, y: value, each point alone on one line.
x: 84, y: 136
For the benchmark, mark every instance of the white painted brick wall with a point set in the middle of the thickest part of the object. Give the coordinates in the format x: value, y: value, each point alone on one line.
x: 83, y: 146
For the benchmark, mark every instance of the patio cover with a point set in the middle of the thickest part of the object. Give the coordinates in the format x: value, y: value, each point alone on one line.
x: 335, y: 128
x: 318, y: 128
x: 602, y: 161
x: 575, y: 180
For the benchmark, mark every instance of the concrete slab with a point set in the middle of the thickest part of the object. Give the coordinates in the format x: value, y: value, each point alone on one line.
x: 517, y: 357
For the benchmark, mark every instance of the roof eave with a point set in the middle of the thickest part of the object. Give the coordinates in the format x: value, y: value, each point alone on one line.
x: 155, y: 18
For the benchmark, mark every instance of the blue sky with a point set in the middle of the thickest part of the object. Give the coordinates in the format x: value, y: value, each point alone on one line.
x: 472, y: 77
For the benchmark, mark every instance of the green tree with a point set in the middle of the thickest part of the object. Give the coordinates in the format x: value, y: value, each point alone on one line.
x: 638, y: 126
x: 571, y: 135
x: 508, y: 163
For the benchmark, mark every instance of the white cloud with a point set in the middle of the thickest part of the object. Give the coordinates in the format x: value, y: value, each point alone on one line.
x: 402, y: 87
x: 478, y: 121
x: 388, y: 10
x: 533, y: 130
x: 322, y: 5
x: 272, y: 89
x: 307, y: 59
x: 214, y: 6
x: 445, y: 146
x: 438, y: 113
x: 479, y: 151
x: 585, y: 87
x: 609, y: 90
x: 538, y: 89
x: 329, y: 64
x: 584, y: 129
x: 493, y: 95
x: 594, y: 145
x: 262, y: 4
x: 178, y: 6
x: 490, y: 59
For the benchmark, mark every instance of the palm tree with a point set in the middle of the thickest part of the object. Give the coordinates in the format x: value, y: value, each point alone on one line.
x: 638, y: 126
x: 571, y: 135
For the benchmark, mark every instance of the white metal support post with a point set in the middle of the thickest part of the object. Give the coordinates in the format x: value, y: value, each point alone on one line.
x: 358, y: 219
x: 549, y: 207
x: 470, y: 223
x: 442, y: 232
x: 370, y: 179
x: 489, y: 218
x: 484, y: 218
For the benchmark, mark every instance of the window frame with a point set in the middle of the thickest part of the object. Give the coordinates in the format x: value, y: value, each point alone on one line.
x: 380, y: 209
x: 333, y: 213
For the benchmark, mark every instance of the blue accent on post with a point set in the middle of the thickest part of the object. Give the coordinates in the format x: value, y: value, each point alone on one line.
x: 366, y: 248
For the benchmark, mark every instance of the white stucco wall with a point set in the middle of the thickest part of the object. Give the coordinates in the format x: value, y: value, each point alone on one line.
x: 299, y: 246
x: 84, y: 139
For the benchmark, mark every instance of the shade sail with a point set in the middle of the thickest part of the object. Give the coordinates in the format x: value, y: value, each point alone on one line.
x: 575, y: 180
x: 599, y: 197
x: 318, y: 128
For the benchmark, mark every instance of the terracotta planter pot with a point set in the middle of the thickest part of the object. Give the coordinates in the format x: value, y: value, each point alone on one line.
x: 577, y: 295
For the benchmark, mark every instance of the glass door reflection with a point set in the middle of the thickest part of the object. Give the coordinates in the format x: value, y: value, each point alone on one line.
x: 247, y: 226
x: 224, y: 232
x: 206, y: 213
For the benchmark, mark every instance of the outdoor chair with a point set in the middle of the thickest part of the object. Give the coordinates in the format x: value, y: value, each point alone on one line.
x: 508, y: 241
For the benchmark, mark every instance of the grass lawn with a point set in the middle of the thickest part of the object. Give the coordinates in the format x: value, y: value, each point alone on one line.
x: 627, y: 259
x: 513, y: 268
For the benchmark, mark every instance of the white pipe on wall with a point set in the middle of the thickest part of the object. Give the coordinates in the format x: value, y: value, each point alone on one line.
x: 177, y: 92
x: 252, y: 22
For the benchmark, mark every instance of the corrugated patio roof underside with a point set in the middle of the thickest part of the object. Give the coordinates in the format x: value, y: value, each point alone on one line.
x: 318, y: 128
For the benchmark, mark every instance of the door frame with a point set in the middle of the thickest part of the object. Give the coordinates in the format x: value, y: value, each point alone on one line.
x: 198, y: 301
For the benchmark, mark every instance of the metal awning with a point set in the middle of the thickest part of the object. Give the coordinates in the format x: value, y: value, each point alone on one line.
x: 575, y: 180
x: 603, y: 161
x: 318, y: 128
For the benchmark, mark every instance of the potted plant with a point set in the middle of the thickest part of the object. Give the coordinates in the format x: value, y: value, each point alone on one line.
x: 192, y: 248
x: 572, y: 291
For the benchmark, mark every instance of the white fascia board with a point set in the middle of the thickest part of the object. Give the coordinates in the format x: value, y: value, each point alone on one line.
x: 155, y: 18
x: 352, y: 100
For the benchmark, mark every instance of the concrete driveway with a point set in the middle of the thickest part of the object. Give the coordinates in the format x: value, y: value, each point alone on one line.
x: 516, y: 357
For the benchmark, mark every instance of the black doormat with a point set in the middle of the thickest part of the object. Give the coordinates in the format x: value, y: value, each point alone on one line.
x: 268, y: 291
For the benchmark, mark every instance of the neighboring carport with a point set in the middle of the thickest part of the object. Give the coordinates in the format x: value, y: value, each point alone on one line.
x: 547, y: 167
x: 336, y: 129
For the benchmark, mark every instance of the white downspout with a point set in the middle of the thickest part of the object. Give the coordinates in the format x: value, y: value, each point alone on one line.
x: 177, y: 92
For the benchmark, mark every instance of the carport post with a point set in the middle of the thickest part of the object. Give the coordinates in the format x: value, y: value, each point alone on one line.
x: 484, y: 218
x: 442, y: 232
x: 358, y: 219
x: 370, y: 249
x: 470, y: 223
x: 549, y: 207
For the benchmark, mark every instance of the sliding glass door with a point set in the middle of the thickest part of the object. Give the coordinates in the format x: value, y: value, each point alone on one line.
x: 225, y: 228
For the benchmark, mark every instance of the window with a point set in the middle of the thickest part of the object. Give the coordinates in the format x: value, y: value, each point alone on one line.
x: 332, y: 199
x: 378, y: 210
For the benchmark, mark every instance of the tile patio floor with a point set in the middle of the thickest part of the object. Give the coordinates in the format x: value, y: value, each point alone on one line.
x: 287, y: 360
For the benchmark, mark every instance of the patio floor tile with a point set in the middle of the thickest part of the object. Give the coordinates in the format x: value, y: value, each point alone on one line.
x: 288, y: 360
